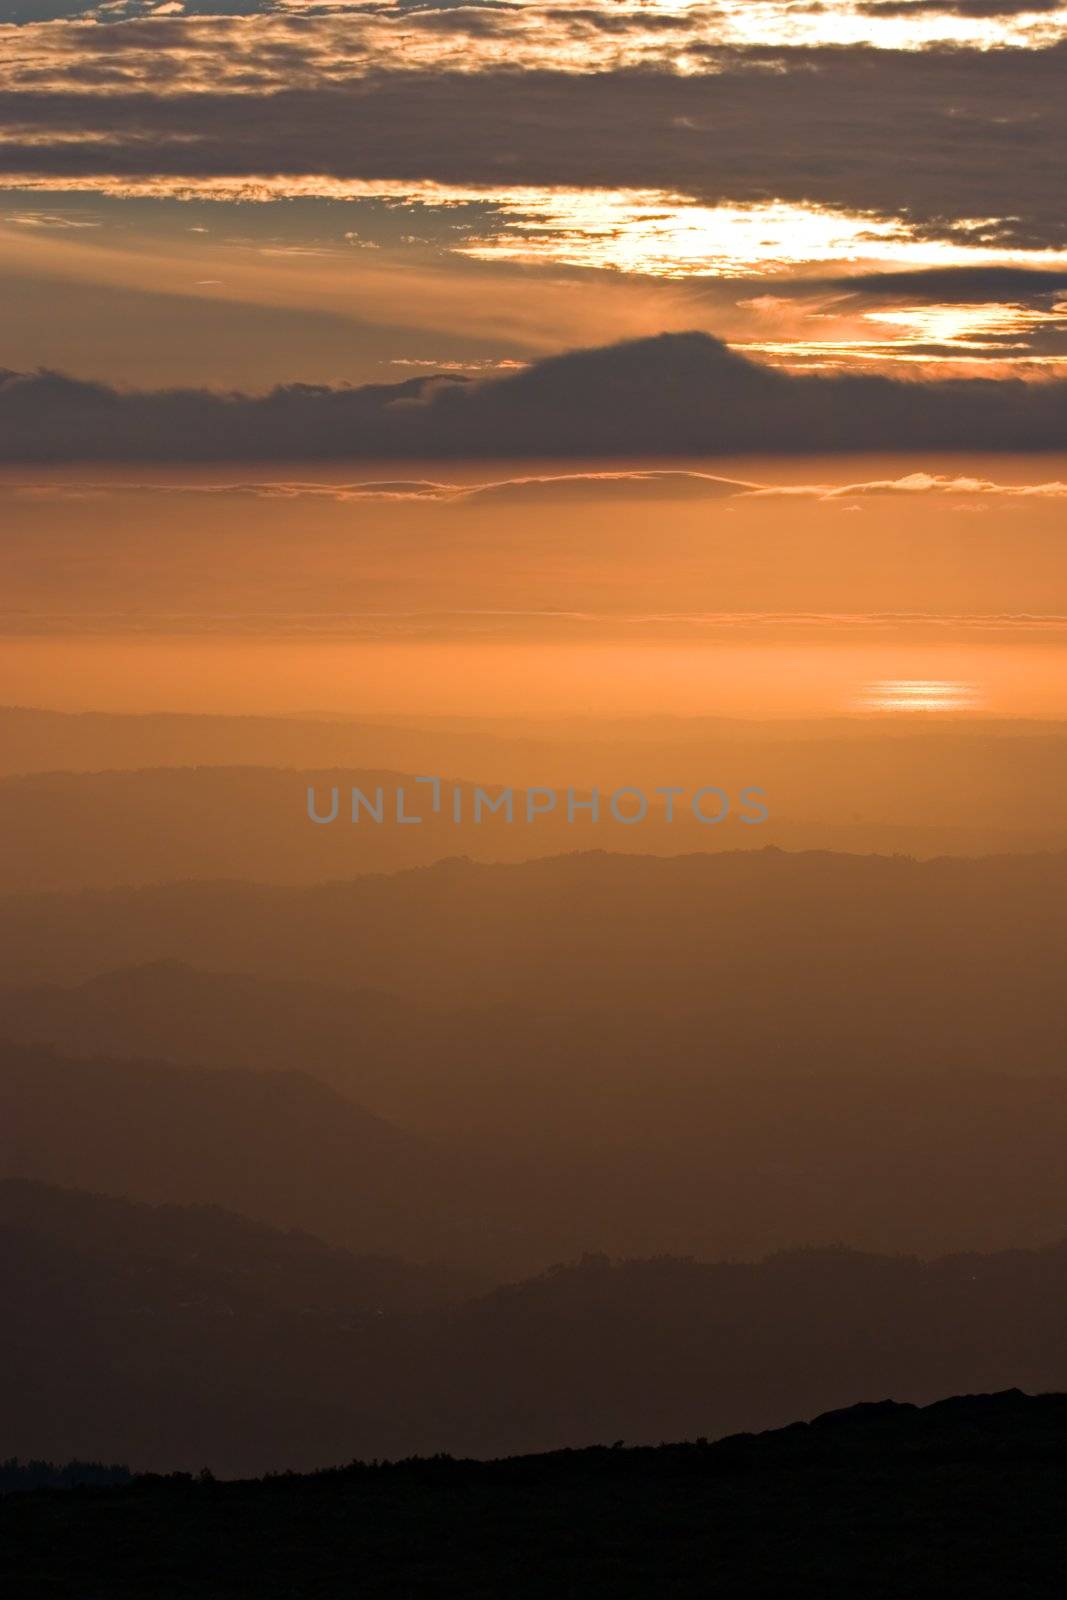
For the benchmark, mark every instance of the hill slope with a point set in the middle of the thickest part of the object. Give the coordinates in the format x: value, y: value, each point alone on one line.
x: 278, y: 1146
x: 959, y: 1501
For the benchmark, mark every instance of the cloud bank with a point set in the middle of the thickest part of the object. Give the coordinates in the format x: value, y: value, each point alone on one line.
x: 675, y: 395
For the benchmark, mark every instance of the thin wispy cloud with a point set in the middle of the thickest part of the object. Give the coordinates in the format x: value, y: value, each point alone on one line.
x: 592, y: 487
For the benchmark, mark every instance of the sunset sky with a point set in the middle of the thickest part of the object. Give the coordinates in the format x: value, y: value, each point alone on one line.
x: 533, y: 787
x: 233, y: 194
x: 674, y: 330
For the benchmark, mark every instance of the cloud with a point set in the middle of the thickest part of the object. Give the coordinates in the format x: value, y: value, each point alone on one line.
x: 917, y: 483
x: 600, y: 486
x: 963, y: 144
x: 676, y: 395
x: 500, y: 624
x: 44, y: 219
x: 942, y: 285
x: 420, y: 489
x: 572, y: 487
x: 556, y: 487
x: 959, y: 8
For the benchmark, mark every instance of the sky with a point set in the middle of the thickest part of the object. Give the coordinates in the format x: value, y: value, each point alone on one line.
x: 535, y: 326
x: 241, y: 195
x: 840, y: 586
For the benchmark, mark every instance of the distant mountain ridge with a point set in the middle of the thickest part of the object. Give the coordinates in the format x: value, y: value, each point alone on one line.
x: 840, y: 940
x: 95, y: 799
x: 277, y: 1145
x: 286, y: 1269
x: 176, y: 1337
x: 686, y: 1159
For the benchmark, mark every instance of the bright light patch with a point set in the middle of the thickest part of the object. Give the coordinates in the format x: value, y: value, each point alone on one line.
x: 652, y: 232
x: 851, y: 22
x: 661, y: 235
x: 971, y: 327
x: 919, y: 694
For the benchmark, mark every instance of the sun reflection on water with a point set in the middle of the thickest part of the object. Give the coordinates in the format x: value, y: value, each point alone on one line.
x: 919, y: 694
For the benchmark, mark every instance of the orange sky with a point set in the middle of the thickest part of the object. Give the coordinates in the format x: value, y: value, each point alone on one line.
x: 807, y: 222
x: 804, y: 588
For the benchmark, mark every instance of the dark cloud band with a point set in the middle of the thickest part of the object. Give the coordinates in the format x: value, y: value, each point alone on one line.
x: 678, y: 395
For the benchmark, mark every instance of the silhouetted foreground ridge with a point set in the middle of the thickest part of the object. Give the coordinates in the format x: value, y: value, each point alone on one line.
x: 960, y: 1498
